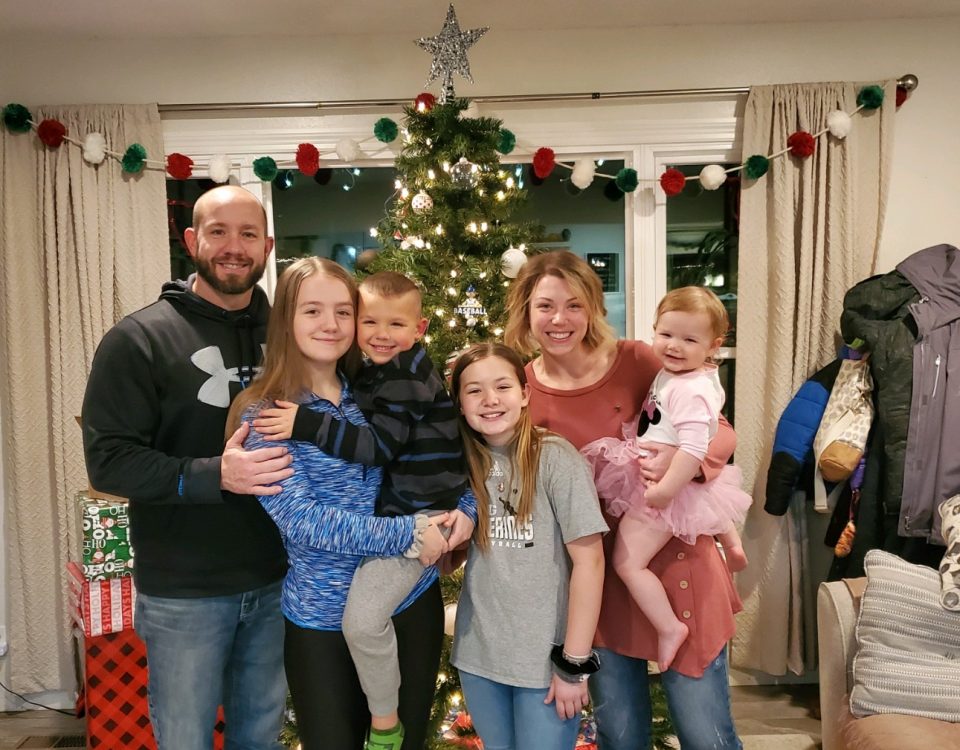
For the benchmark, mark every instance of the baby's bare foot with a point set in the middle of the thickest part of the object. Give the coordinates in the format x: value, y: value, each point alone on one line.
x: 669, y: 643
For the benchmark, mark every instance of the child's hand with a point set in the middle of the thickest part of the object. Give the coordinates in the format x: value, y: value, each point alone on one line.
x: 461, y: 528
x: 277, y: 423
x: 434, y: 542
x: 656, y: 497
x: 570, y: 697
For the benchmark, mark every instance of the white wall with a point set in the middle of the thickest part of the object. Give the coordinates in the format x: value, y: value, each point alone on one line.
x: 921, y: 204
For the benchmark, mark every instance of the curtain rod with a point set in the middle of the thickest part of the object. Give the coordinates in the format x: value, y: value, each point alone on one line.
x: 908, y: 81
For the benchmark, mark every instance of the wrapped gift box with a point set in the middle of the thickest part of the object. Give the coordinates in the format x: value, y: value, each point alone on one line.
x: 115, y: 694
x: 101, y: 607
x: 105, y: 525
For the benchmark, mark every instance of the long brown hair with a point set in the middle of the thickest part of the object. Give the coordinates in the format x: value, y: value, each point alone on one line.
x: 284, y: 374
x: 584, y: 283
x: 525, y: 446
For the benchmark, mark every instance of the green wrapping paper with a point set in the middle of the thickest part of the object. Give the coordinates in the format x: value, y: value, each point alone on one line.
x: 105, y: 526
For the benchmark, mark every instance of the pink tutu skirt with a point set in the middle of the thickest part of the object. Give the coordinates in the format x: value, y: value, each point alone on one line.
x: 700, y: 508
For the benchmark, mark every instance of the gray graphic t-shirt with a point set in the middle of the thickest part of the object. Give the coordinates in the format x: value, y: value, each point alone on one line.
x: 513, y: 606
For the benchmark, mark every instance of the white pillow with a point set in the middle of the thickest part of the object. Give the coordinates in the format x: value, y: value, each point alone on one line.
x: 908, y: 655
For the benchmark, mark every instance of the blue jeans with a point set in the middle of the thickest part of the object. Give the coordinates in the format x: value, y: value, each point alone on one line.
x: 213, y: 650
x: 699, y: 707
x: 514, y: 718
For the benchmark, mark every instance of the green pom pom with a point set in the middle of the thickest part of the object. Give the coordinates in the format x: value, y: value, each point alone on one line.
x: 870, y: 97
x: 134, y: 158
x: 756, y: 167
x: 385, y: 129
x: 265, y: 168
x: 17, y: 118
x: 627, y: 180
x: 507, y: 141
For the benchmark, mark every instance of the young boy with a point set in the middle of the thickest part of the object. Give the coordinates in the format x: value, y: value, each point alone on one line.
x: 413, y: 433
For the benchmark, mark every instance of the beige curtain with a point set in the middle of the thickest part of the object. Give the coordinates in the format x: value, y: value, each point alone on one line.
x: 81, y: 246
x: 809, y: 230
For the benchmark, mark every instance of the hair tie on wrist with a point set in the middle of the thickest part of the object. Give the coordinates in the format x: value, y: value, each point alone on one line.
x: 573, y: 671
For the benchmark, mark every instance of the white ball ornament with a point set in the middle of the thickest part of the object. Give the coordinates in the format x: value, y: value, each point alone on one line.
x: 219, y: 169
x: 583, y: 173
x: 421, y: 203
x: 94, y: 148
x: 839, y: 123
x: 511, y: 261
x: 712, y: 176
x: 348, y: 150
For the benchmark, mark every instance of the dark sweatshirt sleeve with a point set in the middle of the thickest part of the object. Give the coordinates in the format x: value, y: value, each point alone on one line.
x: 396, y: 405
x: 121, y: 411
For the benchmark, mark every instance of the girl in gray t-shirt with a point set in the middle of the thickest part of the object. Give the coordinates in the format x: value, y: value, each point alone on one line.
x: 534, y: 576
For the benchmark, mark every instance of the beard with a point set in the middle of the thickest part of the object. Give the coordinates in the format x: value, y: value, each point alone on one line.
x: 232, y: 284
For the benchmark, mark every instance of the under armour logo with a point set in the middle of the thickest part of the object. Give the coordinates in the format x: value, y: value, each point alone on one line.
x: 216, y: 390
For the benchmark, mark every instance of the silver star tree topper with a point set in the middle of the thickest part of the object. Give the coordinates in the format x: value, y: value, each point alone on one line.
x: 449, y: 50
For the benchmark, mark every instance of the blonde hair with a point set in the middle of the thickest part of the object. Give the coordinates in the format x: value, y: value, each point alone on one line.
x: 584, y: 283
x: 525, y: 446
x: 284, y: 374
x: 697, y: 299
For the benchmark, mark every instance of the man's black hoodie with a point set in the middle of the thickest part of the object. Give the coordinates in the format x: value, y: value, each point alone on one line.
x: 154, y: 415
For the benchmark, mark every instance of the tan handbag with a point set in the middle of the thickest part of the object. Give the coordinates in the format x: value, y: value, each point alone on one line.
x: 842, y: 436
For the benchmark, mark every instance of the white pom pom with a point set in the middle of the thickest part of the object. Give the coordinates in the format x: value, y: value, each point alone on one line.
x: 348, y: 150
x: 472, y: 111
x: 219, y: 169
x: 712, y: 176
x: 839, y: 124
x: 94, y: 148
x: 583, y: 173
x: 511, y: 260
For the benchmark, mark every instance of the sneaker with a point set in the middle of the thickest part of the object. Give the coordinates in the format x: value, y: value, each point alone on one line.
x: 391, y: 739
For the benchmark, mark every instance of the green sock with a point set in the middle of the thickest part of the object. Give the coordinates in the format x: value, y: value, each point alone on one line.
x: 385, y: 739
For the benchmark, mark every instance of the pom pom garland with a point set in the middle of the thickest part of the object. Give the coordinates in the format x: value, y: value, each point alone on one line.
x: 870, y: 97
x: 712, y: 176
x: 265, y: 168
x: 179, y: 167
x: 219, y: 169
x: 134, y: 158
x: 583, y: 173
x: 801, y: 144
x: 51, y: 132
x: 839, y: 123
x: 543, y: 162
x: 386, y: 130
x: 424, y: 102
x: 626, y: 180
x: 672, y: 181
x: 756, y: 166
x: 507, y: 141
x: 308, y: 159
x: 348, y: 150
x: 94, y: 148
x: 17, y: 118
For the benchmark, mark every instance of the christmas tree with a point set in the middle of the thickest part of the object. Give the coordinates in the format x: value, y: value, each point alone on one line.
x: 449, y: 227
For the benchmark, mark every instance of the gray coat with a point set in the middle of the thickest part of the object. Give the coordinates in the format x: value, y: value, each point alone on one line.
x: 932, y: 461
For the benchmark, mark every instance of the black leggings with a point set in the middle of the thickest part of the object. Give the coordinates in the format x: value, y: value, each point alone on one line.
x: 330, y: 706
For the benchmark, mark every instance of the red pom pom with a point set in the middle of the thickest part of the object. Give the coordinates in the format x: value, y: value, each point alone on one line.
x: 424, y: 102
x: 51, y: 132
x: 179, y: 167
x: 902, y: 95
x: 801, y: 144
x: 543, y: 162
x: 672, y: 181
x: 308, y: 159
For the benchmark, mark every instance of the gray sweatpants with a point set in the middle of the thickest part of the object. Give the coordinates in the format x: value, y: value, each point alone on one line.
x: 379, y: 586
